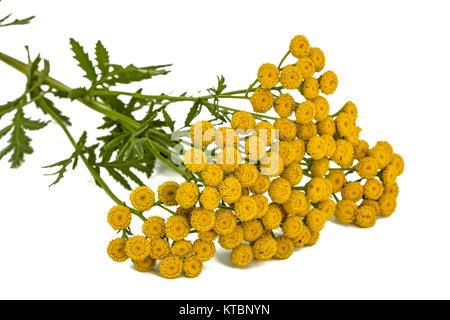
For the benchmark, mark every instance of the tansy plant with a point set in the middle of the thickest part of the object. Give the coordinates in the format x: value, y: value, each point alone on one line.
x: 262, y: 185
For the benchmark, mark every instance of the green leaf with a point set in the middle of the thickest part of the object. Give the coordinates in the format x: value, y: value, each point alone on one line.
x: 102, y: 57
x: 16, y: 22
x: 193, y: 112
x: 5, y: 130
x: 127, y: 172
x: 9, y: 106
x: 119, y: 178
x: 51, y: 105
x: 132, y: 73
x: 30, y: 124
x: 19, y: 140
x: 83, y: 59
x: 169, y: 122
x: 77, y: 93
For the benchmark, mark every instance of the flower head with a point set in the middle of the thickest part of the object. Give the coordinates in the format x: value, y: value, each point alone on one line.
x: 268, y: 75
x: 242, y: 255
x: 177, y: 228
x: 142, y: 198
x: 261, y: 100
x: 167, y: 192
x: 137, y: 248
x: 187, y: 194
x: 299, y: 46
x: 171, y: 267
x: 119, y: 217
x: 116, y: 250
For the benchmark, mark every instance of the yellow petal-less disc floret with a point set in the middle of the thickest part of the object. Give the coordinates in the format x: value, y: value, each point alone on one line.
x: 202, y: 133
x: 318, y: 58
x: 187, y: 194
x: 119, y: 217
x: 262, y: 205
x: 261, y: 100
x: 202, y: 219
x: 245, y: 208
x: 286, y: 129
x: 373, y: 189
x: 229, y: 159
x: 366, y: 217
x: 230, y: 190
x: 315, y: 220
x: 352, y: 191
x: 337, y: 179
x: 298, y: 149
x: 142, y: 198
x: 313, y: 239
x: 225, y: 222
x: 391, y: 189
x: 210, y: 198
x: 322, y: 108
x: 346, y: 211
x: 328, y: 208
x: 286, y: 153
x: 371, y: 203
x: 306, y: 67
x: 167, y: 192
x: 247, y: 174
x: 285, y: 248
x: 297, y: 204
x: 181, y: 248
x: 319, y: 168
x: 292, y: 227
x: 210, y: 235
x: 351, y: 109
x: 116, y: 250
x: 389, y: 175
x: 291, y: 77
x: 299, y: 46
x: 242, y: 255
x: 306, y: 131
x: 367, y: 167
x: 310, y: 88
x: 171, y: 267
x: 253, y: 230
x: 303, y: 239
x: 261, y: 184
x: 264, y: 248
x: 154, y: 227
x: 387, y: 204
x: 268, y: 75
x: 159, y: 248
x: 145, y: 265
x: 273, y: 217
x: 316, y: 189
x: 137, y: 248
x: 280, y: 190
x: 192, y: 266
x: 195, y: 160
x: 226, y: 137
x: 232, y: 239
x: 284, y: 105
x: 343, y: 154
x: 204, y: 250
x: 212, y: 175
x: 177, y: 228
x: 242, y: 120
x: 344, y: 124
x: 265, y: 132
x: 381, y: 154
x: 293, y: 173
x: 316, y: 147
x: 398, y: 163
x: 305, y: 112
x: 361, y: 149
x: 326, y: 126
x: 328, y: 82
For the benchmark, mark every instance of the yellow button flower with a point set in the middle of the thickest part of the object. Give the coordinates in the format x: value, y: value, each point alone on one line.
x: 210, y: 198
x: 187, y: 194
x: 230, y: 190
x: 145, y: 265
x: 245, y: 208
x: 225, y: 222
x: 192, y: 266
x: 154, y: 227
x: 268, y: 75
x: 138, y: 248
x: 299, y: 46
x: 318, y: 58
x: 204, y: 250
x: 202, y: 133
x: 142, y: 198
x: 328, y: 82
x: 212, y: 175
x: 177, y: 228
x: 233, y: 239
x: 119, y: 217
x: 171, y: 267
x: 167, y: 192
x: 202, y: 219
x: 291, y: 77
x: 284, y: 105
x: 280, y: 190
x: 264, y: 248
x: 285, y: 248
x: 242, y: 255
x: 116, y: 250
x: 261, y: 100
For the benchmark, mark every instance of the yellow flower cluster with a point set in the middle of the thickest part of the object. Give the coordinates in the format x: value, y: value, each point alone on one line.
x: 269, y: 187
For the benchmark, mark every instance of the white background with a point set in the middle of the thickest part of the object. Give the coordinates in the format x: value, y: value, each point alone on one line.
x: 392, y: 60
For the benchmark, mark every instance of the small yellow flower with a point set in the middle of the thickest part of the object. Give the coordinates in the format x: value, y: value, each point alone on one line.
x: 292, y: 227
x: 253, y: 230
x: 230, y: 190
x: 204, y: 250
x: 306, y: 131
x: 184, y: 212
x: 261, y: 100
x: 373, y: 189
x: 187, y: 194
x: 328, y: 82
x: 255, y: 148
x: 387, y: 146
x: 286, y: 129
x: 268, y: 75
x: 119, y: 217
x: 318, y: 58
x: 280, y: 190
x: 242, y: 255
x: 242, y: 120
x: 371, y: 203
x: 264, y: 248
x: 293, y: 173
x: 381, y: 154
x: 210, y: 235
x: 265, y: 132
x: 142, y: 198
x: 303, y: 239
x: 159, y: 249
x: 313, y: 239
x: 226, y: 137
x: 272, y: 219
x: 397, y: 163
x: 367, y: 167
x: 286, y: 152
x: 171, y: 267
x: 261, y: 184
x: 305, y: 112
x: 154, y: 227
x: 352, y: 191
x: 262, y: 205
x: 297, y: 204
x: 212, y: 175
x: 343, y: 154
x: 346, y: 211
x: 366, y: 217
x: 319, y: 168
x: 192, y: 266
x: 337, y: 179
x: 316, y: 147
x: 272, y: 165
x: 210, y: 198
x: 225, y: 222
x: 232, y: 239
x: 306, y: 66
x: 387, y: 204
x: 138, y: 248
x: 167, y: 192
x: 247, y: 174
x: 310, y: 88
x: 361, y: 149
x: 245, y: 208
x: 291, y: 77
x: 330, y: 144
x: 328, y: 208
x: 284, y: 105
x: 344, y: 124
x: 298, y: 149
x: 351, y: 109
x: 389, y: 174
x: 322, y: 108
x: 181, y: 248
x: 145, y: 265
x: 177, y: 228
x: 285, y: 248
x: 194, y: 160
x: 315, y: 220
x: 229, y: 159
x: 326, y: 126
x: 202, y: 133
x: 116, y: 250
x: 316, y: 189
x: 391, y: 189
x: 202, y: 219
x: 299, y: 46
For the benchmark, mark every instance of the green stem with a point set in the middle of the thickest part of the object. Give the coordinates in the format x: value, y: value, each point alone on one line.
x: 167, y: 209
x: 282, y: 60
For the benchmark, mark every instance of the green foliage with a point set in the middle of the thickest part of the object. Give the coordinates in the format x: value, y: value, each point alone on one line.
x: 16, y: 22
x: 83, y: 60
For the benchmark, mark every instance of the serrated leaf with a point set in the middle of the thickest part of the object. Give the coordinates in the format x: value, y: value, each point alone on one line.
x: 102, y: 57
x: 19, y: 140
x: 9, y: 106
x: 193, y: 112
x: 77, y: 93
x: 119, y: 178
x: 83, y: 59
x: 169, y: 122
x: 36, y: 83
x: 127, y: 172
x: 51, y: 106
x: 30, y: 124
x: 132, y: 73
x: 5, y: 130
x: 16, y: 22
